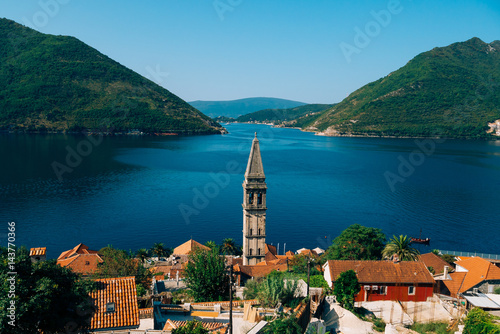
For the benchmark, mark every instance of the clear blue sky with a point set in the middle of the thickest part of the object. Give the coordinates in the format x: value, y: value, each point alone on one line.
x: 230, y: 49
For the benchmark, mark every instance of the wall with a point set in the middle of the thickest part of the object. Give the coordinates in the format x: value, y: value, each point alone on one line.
x: 397, y: 292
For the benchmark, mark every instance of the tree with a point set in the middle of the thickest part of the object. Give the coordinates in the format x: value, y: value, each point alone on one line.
x: 479, y: 321
x: 357, y: 242
x: 346, y: 287
x: 206, y: 275
x: 272, y: 290
x: 298, y: 264
x: 283, y: 325
x: 229, y: 247
x: 47, y: 297
x: 191, y: 327
x: 117, y: 263
x: 210, y: 244
x: 401, y: 246
x: 142, y: 254
x: 160, y: 250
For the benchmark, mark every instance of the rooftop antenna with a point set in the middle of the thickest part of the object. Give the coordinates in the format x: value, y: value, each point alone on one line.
x: 284, y: 247
x: 278, y: 249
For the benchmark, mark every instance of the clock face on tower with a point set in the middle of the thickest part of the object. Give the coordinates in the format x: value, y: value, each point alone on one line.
x: 254, y: 208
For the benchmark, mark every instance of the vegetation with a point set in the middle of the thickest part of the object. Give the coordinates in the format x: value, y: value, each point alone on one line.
x: 283, y: 325
x: 449, y: 92
x: 160, y: 250
x: 58, y: 83
x: 42, y: 290
x: 229, y: 247
x: 279, y: 116
x: 479, y: 321
x: 497, y: 290
x: 449, y: 258
x: 206, y: 275
x: 118, y: 263
x: 298, y: 264
x: 401, y: 246
x: 432, y: 327
x: 272, y: 290
x: 191, y: 327
x: 345, y: 289
x: 357, y: 243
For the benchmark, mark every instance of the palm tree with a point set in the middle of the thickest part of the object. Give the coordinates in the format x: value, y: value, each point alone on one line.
x: 401, y: 246
x: 142, y: 254
x: 211, y: 244
x: 229, y: 247
x: 159, y: 249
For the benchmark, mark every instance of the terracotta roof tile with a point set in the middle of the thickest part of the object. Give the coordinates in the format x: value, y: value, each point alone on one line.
x: 84, y: 264
x: 122, y: 292
x: 455, y: 283
x: 259, y: 270
x: 79, y: 249
x: 38, y: 251
x: 188, y: 246
x: 383, y: 271
x: 434, y: 261
x: 478, y: 270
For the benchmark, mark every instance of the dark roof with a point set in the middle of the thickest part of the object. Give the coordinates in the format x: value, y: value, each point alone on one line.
x: 436, y: 262
x: 383, y: 271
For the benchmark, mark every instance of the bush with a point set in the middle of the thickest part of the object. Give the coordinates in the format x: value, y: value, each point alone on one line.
x: 432, y: 327
x: 479, y: 321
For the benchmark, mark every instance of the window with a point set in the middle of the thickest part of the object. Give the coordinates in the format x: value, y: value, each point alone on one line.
x: 411, y: 290
x: 382, y: 290
x: 250, y: 251
x: 250, y: 231
x: 87, y: 263
x: 259, y: 232
x: 110, y: 307
x: 250, y: 198
x: 258, y: 251
x: 259, y: 198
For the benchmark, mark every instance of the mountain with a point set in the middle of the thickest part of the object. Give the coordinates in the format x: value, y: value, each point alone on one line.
x: 450, y: 91
x: 235, y: 108
x: 279, y: 116
x: 58, y: 83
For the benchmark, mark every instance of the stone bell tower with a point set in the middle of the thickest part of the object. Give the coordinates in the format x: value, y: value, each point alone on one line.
x: 254, y: 208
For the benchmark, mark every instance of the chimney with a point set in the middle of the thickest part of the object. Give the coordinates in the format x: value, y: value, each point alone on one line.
x: 445, y: 273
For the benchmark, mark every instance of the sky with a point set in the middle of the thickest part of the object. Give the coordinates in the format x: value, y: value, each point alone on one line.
x: 316, y: 51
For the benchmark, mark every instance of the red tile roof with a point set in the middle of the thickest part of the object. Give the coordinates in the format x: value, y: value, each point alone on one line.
x: 259, y: 270
x: 478, y: 270
x: 188, y: 246
x: 38, y: 251
x: 79, y: 249
x: 122, y: 292
x: 383, y: 271
x: 84, y: 264
x: 436, y: 262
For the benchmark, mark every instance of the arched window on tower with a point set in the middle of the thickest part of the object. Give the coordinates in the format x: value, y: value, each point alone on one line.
x: 250, y: 198
x: 259, y: 198
x: 250, y: 232
x: 258, y: 251
x: 259, y: 231
x: 250, y: 251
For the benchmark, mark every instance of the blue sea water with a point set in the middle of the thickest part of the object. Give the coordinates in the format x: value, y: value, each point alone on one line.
x: 131, y: 192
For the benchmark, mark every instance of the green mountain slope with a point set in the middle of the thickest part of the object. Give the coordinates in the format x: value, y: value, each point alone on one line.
x: 235, y: 108
x: 58, y: 83
x: 452, y: 91
x: 279, y: 116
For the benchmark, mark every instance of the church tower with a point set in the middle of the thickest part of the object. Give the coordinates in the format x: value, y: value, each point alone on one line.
x: 254, y: 208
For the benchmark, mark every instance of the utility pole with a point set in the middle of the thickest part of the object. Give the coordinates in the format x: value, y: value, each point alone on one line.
x: 231, y: 298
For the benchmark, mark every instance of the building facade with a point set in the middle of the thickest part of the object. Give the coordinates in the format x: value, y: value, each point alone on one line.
x: 254, y: 208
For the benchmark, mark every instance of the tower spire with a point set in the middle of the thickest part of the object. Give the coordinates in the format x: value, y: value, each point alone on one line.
x: 255, y: 170
x: 254, y: 208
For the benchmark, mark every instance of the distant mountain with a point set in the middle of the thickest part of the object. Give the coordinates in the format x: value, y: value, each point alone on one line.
x: 58, y: 83
x: 449, y: 91
x: 279, y: 116
x: 235, y: 108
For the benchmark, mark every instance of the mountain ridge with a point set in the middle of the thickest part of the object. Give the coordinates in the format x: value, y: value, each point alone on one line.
x: 58, y: 83
x: 429, y: 96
